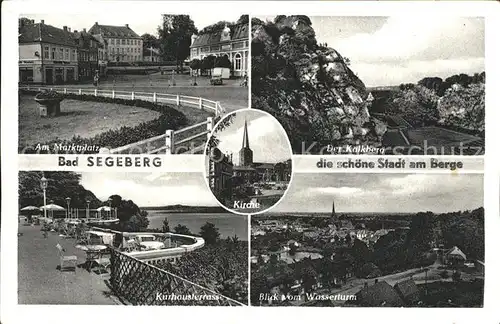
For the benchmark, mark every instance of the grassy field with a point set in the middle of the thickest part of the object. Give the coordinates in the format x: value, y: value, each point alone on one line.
x: 86, y: 119
x: 81, y: 118
x: 437, y: 136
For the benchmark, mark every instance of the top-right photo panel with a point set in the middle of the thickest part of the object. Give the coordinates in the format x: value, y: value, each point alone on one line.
x: 372, y: 85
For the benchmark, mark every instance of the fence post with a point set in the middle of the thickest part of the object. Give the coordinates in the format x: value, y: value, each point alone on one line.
x: 178, y: 100
x: 113, y: 93
x: 104, y: 150
x: 65, y: 91
x: 210, y: 124
x: 133, y: 95
x: 169, y: 141
x: 79, y: 91
x: 95, y: 92
x: 200, y: 103
x: 50, y: 89
x: 154, y: 97
x: 39, y: 89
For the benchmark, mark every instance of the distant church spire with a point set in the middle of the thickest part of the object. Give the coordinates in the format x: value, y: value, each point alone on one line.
x: 334, y: 216
x: 246, y: 154
x: 245, y: 137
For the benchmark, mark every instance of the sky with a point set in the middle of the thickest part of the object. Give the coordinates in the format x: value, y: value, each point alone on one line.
x: 267, y: 139
x: 375, y: 192
x: 139, y: 23
x: 151, y: 189
x: 404, y: 49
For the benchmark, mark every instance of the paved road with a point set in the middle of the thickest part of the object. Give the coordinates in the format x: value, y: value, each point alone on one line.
x: 39, y: 282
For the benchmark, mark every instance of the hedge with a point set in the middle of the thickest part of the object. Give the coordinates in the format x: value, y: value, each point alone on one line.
x: 170, y: 118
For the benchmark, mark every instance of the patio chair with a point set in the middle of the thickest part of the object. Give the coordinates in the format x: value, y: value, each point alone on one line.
x: 103, y: 264
x: 71, y: 259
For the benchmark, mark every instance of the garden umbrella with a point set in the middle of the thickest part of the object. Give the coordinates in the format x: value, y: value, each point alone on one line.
x: 105, y: 208
x: 30, y: 208
x: 52, y: 207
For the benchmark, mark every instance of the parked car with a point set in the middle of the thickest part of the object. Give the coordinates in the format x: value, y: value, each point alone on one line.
x: 216, y: 79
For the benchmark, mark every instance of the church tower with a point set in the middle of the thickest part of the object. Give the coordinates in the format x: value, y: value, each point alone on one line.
x: 334, y: 216
x: 246, y: 154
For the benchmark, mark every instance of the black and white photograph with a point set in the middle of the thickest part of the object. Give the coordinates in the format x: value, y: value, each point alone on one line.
x: 372, y: 240
x: 409, y: 84
x: 128, y: 83
x: 128, y: 239
x: 248, y: 162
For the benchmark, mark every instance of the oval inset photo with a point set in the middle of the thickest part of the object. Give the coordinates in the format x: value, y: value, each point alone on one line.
x: 248, y: 161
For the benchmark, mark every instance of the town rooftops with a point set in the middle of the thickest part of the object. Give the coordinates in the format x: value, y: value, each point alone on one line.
x: 237, y: 32
x: 40, y: 32
x: 456, y: 252
x: 113, y: 31
x: 379, y: 294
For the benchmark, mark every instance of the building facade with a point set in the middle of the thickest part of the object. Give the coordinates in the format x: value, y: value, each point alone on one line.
x: 220, y: 172
x: 47, y: 54
x: 232, y: 42
x: 123, y: 44
x: 251, y: 171
x: 88, y: 54
x: 151, y: 54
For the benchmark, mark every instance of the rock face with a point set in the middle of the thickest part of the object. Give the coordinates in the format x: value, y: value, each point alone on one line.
x: 309, y: 87
x: 463, y: 107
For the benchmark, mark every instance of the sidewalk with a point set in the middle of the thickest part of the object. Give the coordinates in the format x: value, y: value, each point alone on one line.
x: 39, y: 282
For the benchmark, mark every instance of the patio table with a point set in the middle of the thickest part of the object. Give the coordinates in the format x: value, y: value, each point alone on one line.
x: 93, y: 253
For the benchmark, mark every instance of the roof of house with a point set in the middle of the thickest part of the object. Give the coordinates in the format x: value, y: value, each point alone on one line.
x: 379, y: 294
x: 237, y: 32
x: 113, y: 31
x: 455, y: 251
x: 407, y: 289
x: 45, y: 33
x: 86, y: 38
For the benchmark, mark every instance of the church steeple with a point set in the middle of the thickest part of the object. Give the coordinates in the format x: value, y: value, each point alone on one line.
x: 245, y: 137
x: 246, y: 154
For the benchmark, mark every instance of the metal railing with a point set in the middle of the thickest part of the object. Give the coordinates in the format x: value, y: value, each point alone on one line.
x: 139, y: 283
x: 155, y: 97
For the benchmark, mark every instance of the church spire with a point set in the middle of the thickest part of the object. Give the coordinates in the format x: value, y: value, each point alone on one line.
x: 245, y: 137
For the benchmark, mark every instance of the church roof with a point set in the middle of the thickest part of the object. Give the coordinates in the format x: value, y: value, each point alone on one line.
x: 113, y: 31
x: 237, y: 32
x: 45, y: 33
x: 245, y: 137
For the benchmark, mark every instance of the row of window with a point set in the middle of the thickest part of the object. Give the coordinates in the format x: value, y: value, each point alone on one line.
x: 113, y: 41
x: 59, y: 53
x: 122, y: 50
x: 127, y: 58
x: 206, y: 49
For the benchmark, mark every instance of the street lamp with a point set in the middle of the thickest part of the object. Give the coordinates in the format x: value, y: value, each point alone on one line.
x: 43, y: 184
x: 109, y: 213
x: 67, y: 202
x: 88, y: 209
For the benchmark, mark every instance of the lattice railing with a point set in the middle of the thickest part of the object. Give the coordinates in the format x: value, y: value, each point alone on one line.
x: 140, y: 283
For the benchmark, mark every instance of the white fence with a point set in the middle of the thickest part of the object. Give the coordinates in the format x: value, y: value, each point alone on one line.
x: 155, y: 97
x: 164, y: 143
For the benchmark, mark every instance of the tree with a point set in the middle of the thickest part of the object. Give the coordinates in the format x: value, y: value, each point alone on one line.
x: 217, y: 27
x: 166, y: 226
x: 208, y: 63
x: 175, y: 37
x: 223, y: 62
x: 22, y: 22
x: 182, y: 229
x: 243, y: 19
x: 209, y: 233
x: 195, y: 65
x: 149, y: 41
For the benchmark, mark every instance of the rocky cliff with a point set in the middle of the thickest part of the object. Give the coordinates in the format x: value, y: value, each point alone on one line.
x: 309, y: 87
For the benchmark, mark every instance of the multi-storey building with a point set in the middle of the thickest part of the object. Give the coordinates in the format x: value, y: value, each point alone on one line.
x: 88, y: 54
x: 231, y: 42
x: 47, y: 54
x: 123, y: 44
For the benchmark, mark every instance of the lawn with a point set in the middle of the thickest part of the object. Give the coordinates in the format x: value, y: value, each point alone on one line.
x: 86, y: 119
x: 436, y: 136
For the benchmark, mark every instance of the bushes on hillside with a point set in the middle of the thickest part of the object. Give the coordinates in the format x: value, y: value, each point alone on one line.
x: 463, y: 107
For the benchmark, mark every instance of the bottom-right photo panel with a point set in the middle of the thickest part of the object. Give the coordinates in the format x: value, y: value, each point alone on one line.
x: 372, y: 240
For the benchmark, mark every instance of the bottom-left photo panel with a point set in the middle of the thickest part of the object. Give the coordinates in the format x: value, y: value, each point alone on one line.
x: 128, y: 239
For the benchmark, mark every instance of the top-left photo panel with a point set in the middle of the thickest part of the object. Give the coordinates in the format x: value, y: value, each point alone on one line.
x: 144, y: 84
